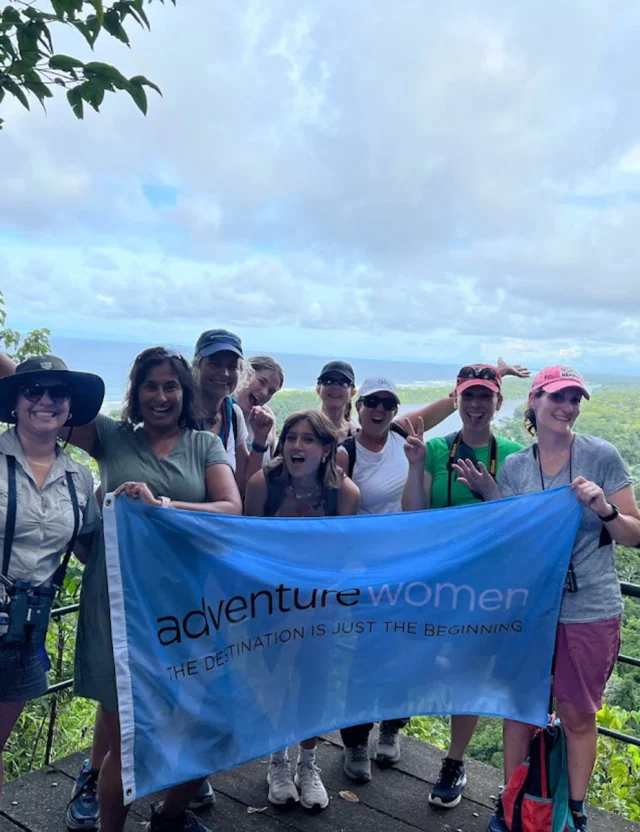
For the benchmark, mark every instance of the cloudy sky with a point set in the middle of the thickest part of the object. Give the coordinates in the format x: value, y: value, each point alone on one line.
x: 420, y: 180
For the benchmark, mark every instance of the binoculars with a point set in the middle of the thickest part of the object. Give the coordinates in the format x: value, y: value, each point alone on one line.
x: 24, y: 613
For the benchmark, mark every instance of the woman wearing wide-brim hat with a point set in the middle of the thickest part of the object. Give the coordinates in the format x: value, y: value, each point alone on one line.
x: 38, y: 518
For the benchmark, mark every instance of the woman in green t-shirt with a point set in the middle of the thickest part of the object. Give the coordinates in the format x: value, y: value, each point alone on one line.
x: 433, y: 483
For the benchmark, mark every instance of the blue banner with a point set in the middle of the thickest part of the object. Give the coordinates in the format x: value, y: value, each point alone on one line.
x: 236, y: 636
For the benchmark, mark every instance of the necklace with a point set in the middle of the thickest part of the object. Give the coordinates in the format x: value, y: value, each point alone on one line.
x: 304, y: 495
x: 41, y: 464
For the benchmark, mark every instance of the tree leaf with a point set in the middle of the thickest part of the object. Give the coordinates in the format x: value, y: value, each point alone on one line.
x: 12, y: 15
x: 141, y: 81
x: 64, y: 63
x: 139, y: 96
x: 113, y: 25
x: 106, y: 71
x: 97, y: 5
x: 74, y: 97
x: 28, y: 43
x: 10, y: 85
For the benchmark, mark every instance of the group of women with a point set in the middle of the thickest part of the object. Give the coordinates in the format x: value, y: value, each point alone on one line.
x: 200, y: 436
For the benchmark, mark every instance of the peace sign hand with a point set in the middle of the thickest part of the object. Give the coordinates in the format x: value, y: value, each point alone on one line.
x: 414, y: 447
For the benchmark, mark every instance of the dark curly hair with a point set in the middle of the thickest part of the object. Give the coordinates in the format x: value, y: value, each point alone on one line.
x: 191, y: 415
x: 530, y: 422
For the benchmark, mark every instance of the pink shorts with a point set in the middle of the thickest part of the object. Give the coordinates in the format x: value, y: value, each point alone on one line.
x: 585, y: 657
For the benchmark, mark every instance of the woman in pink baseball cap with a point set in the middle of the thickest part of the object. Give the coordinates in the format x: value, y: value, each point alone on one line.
x: 588, y: 636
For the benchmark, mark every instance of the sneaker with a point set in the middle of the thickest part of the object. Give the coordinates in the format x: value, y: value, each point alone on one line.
x: 452, y: 779
x: 83, y: 811
x: 186, y: 822
x: 357, y: 764
x: 388, y: 748
x: 205, y: 796
x: 496, y: 821
x: 313, y: 794
x: 282, y: 789
x: 579, y: 822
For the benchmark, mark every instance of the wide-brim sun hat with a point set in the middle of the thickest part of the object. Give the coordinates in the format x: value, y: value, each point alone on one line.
x: 87, y: 389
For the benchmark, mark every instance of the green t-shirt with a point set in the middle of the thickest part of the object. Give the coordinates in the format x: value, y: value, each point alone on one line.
x: 436, y: 465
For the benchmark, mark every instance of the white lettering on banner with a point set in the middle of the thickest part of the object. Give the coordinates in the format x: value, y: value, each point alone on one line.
x: 420, y: 594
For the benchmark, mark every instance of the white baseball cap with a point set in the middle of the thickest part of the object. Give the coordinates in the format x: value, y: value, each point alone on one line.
x: 378, y: 384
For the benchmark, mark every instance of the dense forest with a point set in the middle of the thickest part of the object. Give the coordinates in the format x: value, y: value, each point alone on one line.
x: 57, y: 725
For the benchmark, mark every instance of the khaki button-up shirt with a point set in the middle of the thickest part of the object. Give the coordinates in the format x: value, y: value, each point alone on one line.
x: 44, y: 517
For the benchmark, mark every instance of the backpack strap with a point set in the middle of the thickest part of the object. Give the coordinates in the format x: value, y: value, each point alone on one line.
x: 349, y: 445
x: 396, y: 428
x: 10, y: 523
x: 275, y: 497
x: 58, y: 577
x: 331, y: 502
x: 234, y: 422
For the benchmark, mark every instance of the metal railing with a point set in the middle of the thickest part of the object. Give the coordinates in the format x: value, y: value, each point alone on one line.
x: 628, y: 589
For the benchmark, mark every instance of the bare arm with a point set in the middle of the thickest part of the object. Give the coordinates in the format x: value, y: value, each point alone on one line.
x: 348, y: 498
x: 432, y: 414
x: 7, y: 365
x: 417, y: 489
x: 625, y: 528
x: 342, y: 460
x: 255, y: 497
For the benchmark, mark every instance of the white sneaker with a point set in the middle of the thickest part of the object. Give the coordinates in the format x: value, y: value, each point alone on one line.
x: 313, y: 794
x: 282, y: 790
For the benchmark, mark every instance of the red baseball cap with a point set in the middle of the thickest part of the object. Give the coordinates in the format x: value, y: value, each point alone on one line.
x: 552, y: 379
x: 478, y: 375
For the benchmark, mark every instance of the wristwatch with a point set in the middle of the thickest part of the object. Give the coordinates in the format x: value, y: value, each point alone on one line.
x: 615, y: 511
x: 259, y: 449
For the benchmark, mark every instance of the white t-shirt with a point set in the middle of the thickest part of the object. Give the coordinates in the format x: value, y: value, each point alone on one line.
x: 381, y: 476
x: 240, y: 439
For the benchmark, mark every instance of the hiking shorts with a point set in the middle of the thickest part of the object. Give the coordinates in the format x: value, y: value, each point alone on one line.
x: 585, y: 658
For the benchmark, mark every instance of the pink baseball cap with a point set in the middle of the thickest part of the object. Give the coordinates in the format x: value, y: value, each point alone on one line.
x: 552, y: 379
x: 478, y: 375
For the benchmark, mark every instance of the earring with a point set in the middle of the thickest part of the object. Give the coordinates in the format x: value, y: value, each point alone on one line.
x: 69, y: 417
x: 14, y: 414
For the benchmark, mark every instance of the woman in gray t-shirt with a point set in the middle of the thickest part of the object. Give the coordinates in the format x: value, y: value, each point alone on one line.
x: 588, y: 637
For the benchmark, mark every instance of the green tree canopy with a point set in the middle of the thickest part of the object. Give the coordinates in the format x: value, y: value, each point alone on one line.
x: 30, y: 66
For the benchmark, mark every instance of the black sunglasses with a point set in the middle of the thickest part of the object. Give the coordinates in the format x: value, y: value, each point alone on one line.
x: 57, y: 392
x: 374, y: 401
x: 334, y: 382
x: 486, y: 373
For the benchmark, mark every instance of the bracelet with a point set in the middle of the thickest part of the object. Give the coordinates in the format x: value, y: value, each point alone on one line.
x: 166, y: 502
x: 607, y: 518
x: 259, y: 449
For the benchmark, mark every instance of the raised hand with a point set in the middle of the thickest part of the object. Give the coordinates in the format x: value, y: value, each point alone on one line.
x: 516, y: 370
x: 476, y: 479
x: 261, y: 421
x: 138, y: 491
x: 414, y: 446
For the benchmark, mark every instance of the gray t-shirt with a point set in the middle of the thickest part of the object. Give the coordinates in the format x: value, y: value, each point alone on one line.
x: 598, y: 597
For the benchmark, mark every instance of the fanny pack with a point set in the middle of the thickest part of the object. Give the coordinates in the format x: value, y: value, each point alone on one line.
x: 25, y: 609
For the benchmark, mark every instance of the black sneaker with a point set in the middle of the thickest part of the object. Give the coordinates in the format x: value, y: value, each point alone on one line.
x: 579, y: 822
x: 452, y: 779
x: 186, y: 822
x: 204, y: 797
x: 83, y: 811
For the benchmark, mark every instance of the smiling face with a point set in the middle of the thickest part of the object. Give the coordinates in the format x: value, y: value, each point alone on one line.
x: 218, y: 374
x: 42, y: 406
x: 557, y: 411
x: 160, y: 398
x: 264, y: 385
x: 477, y: 406
x: 335, y: 394
x: 303, y: 451
x: 375, y: 421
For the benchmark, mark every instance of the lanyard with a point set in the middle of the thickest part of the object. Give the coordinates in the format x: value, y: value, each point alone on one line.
x: 536, y: 453
x: 455, y: 445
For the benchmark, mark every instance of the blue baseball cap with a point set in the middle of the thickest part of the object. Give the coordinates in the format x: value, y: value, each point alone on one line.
x: 217, y: 340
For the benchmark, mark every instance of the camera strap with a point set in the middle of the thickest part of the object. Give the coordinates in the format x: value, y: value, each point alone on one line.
x: 10, y: 524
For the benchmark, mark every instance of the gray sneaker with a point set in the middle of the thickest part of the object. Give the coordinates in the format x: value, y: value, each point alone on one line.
x: 388, y: 748
x: 357, y: 764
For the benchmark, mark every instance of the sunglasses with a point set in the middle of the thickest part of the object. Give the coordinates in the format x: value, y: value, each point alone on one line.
x: 486, y: 373
x: 58, y: 393
x: 334, y: 382
x: 374, y: 401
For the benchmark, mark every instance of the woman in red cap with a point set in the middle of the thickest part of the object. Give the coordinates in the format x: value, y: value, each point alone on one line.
x: 588, y: 636
x: 433, y: 483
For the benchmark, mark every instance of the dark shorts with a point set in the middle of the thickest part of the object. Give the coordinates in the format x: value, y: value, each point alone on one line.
x: 22, y: 674
x: 585, y: 658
